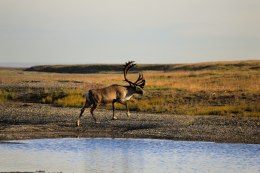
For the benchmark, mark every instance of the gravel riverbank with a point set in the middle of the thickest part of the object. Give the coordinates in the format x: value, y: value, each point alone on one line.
x: 30, y: 120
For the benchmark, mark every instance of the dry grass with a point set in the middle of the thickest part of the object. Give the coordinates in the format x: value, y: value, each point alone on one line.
x: 226, y: 88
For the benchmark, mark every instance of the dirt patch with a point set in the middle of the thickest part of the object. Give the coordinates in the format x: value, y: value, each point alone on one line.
x: 20, y: 121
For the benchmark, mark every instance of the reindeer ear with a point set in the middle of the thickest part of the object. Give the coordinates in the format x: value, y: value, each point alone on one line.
x: 131, y: 85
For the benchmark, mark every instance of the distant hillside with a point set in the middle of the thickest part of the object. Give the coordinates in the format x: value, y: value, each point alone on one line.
x: 98, y: 68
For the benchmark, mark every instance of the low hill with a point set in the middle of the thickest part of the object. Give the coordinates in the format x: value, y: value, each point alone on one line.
x: 98, y: 68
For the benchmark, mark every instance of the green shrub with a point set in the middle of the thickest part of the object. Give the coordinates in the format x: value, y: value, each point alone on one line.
x: 6, y: 95
x: 71, y: 101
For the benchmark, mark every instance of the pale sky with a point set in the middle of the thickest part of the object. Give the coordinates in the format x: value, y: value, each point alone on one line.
x: 113, y: 31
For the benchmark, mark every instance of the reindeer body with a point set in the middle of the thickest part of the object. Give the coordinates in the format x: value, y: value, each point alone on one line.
x: 112, y: 94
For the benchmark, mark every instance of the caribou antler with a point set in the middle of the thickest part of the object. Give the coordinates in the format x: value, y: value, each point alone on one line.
x: 128, y: 65
x: 140, y: 81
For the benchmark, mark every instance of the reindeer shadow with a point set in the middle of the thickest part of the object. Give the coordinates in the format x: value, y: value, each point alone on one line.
x: 136, y: 126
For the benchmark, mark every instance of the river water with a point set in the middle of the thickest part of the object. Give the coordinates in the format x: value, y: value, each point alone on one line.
x: 127, y: 155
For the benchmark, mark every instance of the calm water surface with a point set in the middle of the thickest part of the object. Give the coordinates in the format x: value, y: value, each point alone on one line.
x: 128, y: 155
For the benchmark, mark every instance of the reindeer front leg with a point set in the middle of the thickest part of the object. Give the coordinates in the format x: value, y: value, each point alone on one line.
x: 123, y: 103
x: 128, y: 113
x: 113, y: 105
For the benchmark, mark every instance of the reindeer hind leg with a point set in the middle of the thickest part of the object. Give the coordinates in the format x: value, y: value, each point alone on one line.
x: 92, y: 112
x: 86, y: 105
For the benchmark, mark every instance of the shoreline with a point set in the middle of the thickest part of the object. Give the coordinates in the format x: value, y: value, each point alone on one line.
x: 34, y: 121
x: 16, y: 141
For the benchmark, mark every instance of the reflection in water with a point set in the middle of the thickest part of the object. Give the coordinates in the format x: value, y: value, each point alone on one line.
x: 127, y: 155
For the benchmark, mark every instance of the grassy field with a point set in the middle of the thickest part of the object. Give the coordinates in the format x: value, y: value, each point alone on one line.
x: 215, y: 88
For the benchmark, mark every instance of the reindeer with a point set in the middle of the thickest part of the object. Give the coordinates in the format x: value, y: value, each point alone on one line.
x: 114, y: 93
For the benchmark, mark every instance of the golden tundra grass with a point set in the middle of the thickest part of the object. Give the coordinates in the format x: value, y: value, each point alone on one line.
x: 224, y: 90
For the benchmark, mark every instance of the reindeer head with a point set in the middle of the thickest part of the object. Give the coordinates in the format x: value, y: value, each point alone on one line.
x: 139, y: 84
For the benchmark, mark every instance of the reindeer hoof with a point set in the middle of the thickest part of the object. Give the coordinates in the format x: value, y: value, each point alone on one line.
x: 78, y: 123
x: 114, y: 118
